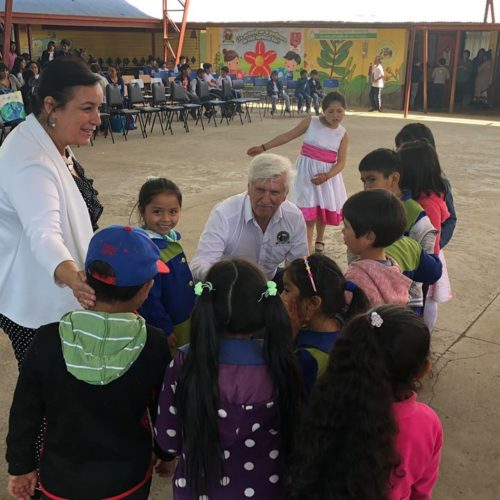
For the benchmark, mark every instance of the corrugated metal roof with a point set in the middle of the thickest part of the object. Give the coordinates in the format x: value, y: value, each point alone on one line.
x: 334, y: 11
x: 99, y: 8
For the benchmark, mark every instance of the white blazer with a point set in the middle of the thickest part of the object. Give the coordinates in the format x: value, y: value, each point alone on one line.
x: 43, y: 222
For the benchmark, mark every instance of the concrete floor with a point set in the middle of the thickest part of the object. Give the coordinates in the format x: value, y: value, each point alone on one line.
x: 464, y: 387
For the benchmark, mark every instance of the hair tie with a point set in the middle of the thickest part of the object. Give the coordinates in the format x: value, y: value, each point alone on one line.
x: 376, y: 320
x: 151, y: 178
x: 349, y: 288
x: 200, y: 286
x: 309, y: 274
x: 272, y: 290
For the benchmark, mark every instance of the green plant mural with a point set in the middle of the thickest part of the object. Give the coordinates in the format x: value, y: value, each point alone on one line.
x: 336, y: 63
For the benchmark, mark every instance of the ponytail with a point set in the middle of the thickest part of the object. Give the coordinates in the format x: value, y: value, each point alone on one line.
x: 278, y: 353
x: 198, y: 394
x: 326, y: 280
x: 356, y: 301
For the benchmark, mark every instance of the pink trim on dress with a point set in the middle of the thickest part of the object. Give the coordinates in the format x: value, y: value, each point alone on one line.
x: 322, y: 214
x: 319, y: 154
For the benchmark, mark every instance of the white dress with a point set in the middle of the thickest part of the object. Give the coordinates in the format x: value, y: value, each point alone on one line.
x: 319, y: 152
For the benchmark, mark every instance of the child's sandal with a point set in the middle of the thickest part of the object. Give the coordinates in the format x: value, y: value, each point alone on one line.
x: 319, y: 247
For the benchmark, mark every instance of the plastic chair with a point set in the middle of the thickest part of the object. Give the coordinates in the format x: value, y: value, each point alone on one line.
x: 330, y: 84
x: 160, y: 101
x: 136, y: 101
x: 114, y: 106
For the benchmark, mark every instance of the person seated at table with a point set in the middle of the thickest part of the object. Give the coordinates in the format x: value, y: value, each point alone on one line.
x: 190, y: 96
x: 18, y: 68
x: 8, y: 83
x: 115, y: 78
x: 212, y: 82
x: 182, y: 62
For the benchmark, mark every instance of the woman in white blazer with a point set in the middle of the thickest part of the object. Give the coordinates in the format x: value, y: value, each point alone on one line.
x: 45, y: 222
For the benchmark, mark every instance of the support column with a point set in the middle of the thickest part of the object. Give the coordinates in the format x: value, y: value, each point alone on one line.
x: 30, y: 40
x: 7, y: 28
x: 456, y: 59
x: 409, y: 68
x: 426, y: 67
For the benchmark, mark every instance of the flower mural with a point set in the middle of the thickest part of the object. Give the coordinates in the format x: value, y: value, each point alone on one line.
x: 260, y: 60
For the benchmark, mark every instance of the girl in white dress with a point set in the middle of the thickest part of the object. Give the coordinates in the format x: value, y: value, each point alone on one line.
x: 319, y: 189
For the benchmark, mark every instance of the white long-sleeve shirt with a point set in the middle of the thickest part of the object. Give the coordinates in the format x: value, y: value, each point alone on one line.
x: 43, y: 222
x: 232, y: 231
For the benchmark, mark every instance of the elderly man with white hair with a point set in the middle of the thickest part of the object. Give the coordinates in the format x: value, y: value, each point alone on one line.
x: 259, y: 224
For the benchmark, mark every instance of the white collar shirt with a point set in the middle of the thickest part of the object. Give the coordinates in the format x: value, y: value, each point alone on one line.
x: 232, y: 231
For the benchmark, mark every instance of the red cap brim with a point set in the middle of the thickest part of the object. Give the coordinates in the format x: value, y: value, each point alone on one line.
x: 162, y: 267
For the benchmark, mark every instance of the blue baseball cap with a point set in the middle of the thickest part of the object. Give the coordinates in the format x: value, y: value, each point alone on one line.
x: 131, y: 253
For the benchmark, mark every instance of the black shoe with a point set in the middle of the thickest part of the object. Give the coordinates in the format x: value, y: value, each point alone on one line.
x: 372, y: 109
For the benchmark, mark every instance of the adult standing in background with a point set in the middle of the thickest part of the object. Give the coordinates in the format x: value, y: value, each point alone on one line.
x: 258, y: 224
x: 47, y: 205
x: 12, y: 55
x: 49, y: 53
x: 64, y: 50
x: 416, y: 77
x: 377, y: 84
x: 464, y: 74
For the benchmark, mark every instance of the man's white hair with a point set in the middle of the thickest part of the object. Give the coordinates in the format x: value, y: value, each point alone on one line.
x: 269, y: 166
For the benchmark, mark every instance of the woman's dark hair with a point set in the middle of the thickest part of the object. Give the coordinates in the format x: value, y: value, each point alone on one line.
x: 153, y: 187
x: 184, y: 67
x: 116, y: 68
x: 292, y: 56
x: 51, y: 43
x: 230, y: 55
x: 27, y: 76
x: 108, y: 293
x: 34, y: 62
x: 333, y: 97
x: 376, y: 210
x: 346, y: 446
x: 420, y: 169
x: 331, y: 287
x: 234, y: 306
x: 95, y: 68
x: 207, y: 66
x: 225, y: 68
x: 16, y: 68
x: 3, y: 67
x: 413, y: 132
x: 58, y: 80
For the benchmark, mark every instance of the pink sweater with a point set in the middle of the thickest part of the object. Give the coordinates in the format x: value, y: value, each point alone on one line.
x: 382, y: 284
x: 437, y: 211
x: 419, y: 444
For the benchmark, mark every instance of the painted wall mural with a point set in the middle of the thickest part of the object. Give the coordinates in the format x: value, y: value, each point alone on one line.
x: 345, y: 55
x: 258, y: 51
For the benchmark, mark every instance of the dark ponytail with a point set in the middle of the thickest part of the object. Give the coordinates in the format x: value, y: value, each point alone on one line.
x: 338, y: 297
x: 197, y: 394
x: 347, y: 441
x: 232, y: 304
x: 278, y: 352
